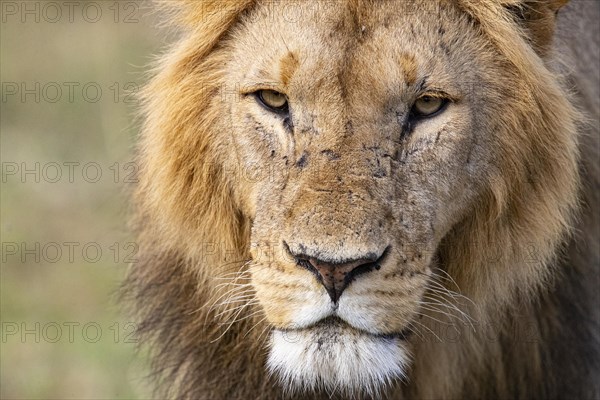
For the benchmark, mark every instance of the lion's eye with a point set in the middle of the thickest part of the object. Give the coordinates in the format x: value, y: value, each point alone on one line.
x: 273, y: 100
x: 428, y: 106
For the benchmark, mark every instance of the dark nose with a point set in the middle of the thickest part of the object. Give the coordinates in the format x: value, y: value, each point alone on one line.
x: 336, y: 276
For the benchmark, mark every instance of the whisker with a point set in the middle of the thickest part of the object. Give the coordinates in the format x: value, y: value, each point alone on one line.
x: 255, y: 325
x: 234, y: 300
x: 233, y: 320
x: 249, y: 315
x: 459, y: 315
x: 426, y: 327
x: 433, y: 309
x: 267, y: 329
x: 451, y: 292
x: 432, y: 318
x: 233, y: 284
x: 234, y: 309
x: 229, y: 294
x: 442, y: 301
x: 464, y: 316
x: 447, y: 276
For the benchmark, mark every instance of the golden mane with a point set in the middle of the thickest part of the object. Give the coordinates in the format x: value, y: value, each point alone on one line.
x: 529, y: 203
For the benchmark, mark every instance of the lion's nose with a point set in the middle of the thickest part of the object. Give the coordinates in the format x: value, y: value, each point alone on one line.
x: 336, y: 276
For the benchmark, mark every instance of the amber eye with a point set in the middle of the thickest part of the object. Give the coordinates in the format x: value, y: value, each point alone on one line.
x: 272, y: 100
x: 428, y: 106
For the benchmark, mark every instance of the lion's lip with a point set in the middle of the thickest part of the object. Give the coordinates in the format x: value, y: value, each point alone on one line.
x: 334, y: 321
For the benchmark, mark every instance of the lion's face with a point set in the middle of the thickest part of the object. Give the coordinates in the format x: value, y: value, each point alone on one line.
x: 359, y: 139
x: 349, y: 173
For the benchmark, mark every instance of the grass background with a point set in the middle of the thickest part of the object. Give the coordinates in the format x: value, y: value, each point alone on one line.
x: 64, y: 335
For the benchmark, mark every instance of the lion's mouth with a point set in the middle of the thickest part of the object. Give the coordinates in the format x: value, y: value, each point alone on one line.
x: 334, y: 325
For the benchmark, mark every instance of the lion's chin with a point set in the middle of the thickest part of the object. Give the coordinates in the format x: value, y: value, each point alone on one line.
x: 332, y: 356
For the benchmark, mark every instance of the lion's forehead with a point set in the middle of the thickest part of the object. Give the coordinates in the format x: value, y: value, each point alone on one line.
x: 331, y: 52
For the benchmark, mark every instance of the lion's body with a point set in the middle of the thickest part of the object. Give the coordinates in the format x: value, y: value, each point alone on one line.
x: 523, y: 246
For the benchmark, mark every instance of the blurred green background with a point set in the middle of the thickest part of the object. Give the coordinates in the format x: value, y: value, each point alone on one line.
x: 69, y: 73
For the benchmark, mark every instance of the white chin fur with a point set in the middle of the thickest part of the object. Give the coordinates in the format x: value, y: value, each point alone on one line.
x: 334, y: 358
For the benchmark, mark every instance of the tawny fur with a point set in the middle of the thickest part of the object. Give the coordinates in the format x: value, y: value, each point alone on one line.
x: 523, y: 247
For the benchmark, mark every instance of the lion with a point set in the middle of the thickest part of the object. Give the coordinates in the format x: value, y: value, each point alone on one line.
x: 371, y: 199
